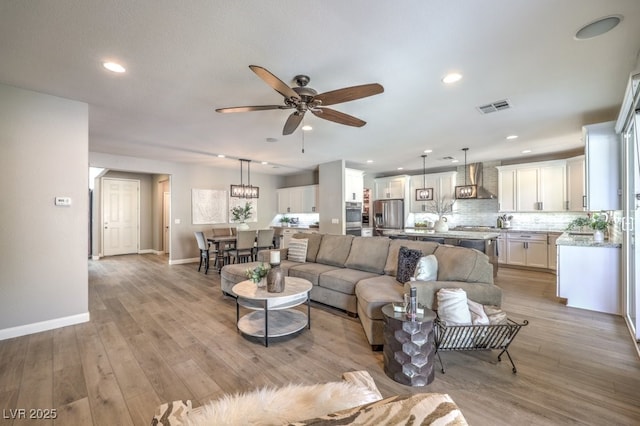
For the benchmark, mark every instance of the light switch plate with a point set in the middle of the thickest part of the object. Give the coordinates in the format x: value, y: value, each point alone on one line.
x: 63, y: 201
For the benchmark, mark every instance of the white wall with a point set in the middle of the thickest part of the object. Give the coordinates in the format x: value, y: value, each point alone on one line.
x: 43, y: 248
x: 185, y: 177
x: 331, y: 197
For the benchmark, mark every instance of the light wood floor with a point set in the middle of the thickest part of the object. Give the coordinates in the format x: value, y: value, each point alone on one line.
x: 160, y: 333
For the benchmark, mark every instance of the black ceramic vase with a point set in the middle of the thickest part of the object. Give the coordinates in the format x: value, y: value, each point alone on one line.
x: 275, y: 279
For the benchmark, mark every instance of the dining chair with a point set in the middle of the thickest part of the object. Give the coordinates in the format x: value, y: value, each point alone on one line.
x: 264, y: 241
x: 244, y: 247
x: 205, y: 251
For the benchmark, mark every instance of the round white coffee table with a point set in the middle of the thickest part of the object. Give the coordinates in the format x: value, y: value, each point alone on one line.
x: 272, y: 315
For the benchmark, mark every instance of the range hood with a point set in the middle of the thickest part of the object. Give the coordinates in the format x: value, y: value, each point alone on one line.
x: 474, y: 186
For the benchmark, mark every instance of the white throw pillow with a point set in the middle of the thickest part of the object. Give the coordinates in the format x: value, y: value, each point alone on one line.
x: 478, y: 315
x: 297, y: 250
x: 427, y: 269
x: 452, y: 306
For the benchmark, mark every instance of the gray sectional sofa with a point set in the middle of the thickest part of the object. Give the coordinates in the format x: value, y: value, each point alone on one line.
x: 358, y: 275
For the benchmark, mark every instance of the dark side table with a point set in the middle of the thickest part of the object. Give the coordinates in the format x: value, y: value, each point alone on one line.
x: 409, y: 347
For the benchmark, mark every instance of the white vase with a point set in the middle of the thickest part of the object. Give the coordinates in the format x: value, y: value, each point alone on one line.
x: 441, y: 225
x: 242, y: 226
x: 598, y: 236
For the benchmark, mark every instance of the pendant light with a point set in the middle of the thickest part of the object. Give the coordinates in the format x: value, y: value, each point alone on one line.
x: 424, y: 194
x: 466, y: 191
x: 242, y: 190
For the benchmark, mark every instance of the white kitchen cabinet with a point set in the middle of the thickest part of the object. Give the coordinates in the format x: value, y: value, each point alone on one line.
x: 552, y: 251
x: 532, y: 186
x: 602, y: 166
x: 353, y: 185
x: 443, y: 185
x: 527, y: 249
x: 576, y: 196
x: 589, y: 277
x: 502, y: 247
x: 298, y: 199
x: 391, y: 187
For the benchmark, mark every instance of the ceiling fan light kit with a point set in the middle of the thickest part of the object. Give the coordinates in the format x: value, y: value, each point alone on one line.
x: 303, y: 98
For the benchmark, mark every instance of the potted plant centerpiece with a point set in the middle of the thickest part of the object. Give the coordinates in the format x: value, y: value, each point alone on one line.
x: 284, y: 220
x: 258, y: 274
x: 441, y: 206
x: 240, y: 214
x: 598, y: 222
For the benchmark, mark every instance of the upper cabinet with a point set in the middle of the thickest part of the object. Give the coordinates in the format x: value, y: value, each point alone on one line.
x: 576, y: 195
x: 442, y: 184
x: 391, y: 187
x: 602, y: 166
x: 353, y: 185
x: 532, y: 187
x: 298, y: 199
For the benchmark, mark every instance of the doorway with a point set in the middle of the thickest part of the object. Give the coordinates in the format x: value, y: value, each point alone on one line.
x: 120, y: 216
x: 166, y: 221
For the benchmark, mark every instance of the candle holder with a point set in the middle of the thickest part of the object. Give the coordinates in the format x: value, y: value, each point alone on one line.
x: 275, y: 279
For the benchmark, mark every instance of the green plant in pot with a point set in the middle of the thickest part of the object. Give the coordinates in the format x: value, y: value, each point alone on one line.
x: 258, y: 274
x: 284, y: 220
x: 240, y: 214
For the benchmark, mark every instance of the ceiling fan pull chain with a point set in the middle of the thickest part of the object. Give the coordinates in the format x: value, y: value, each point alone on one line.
x: 302, y: 140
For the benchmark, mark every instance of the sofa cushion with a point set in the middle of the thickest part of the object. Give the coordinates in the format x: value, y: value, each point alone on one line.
x: 463, y: 264
x: 373, y: 293
x: 310, y: 271
x: 297, y: 250
x: 313, y: 246
x: 343, y: 280
x: 368, y: 254
x: 426, y: 247
x: 334, y: 249
x: 427, y: 268
x: 407, y: 261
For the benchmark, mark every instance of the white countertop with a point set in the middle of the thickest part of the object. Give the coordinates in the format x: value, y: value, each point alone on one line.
x: 567, y: 239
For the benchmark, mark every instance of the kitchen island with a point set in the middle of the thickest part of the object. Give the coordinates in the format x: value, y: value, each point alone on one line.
x: 589, y: 272
x: 482, y: 240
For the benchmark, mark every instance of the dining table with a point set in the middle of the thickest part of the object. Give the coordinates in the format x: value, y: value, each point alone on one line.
x: 218, y: 241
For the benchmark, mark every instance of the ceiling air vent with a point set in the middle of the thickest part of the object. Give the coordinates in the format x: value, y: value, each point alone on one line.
x: 494, y: 106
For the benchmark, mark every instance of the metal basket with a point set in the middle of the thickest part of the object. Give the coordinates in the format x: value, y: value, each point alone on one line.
x: 476, y: 338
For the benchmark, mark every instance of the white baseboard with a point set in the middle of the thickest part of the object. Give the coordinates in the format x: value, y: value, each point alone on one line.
x: 150, y: 251
x: 182, y: 261
x: 36, y: 327
x: 95, y: 258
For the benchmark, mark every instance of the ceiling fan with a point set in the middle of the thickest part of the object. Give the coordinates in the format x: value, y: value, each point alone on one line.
x: 303, y: 98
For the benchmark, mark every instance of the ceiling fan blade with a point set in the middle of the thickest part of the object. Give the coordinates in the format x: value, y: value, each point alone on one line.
x: 292, y: 122
x: 252, y: 108
x: 349, y: 94
x: 273, y: 81
x: 338, y: 117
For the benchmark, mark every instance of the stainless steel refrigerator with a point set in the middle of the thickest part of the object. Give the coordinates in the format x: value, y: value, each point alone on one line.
x: 388, y: 214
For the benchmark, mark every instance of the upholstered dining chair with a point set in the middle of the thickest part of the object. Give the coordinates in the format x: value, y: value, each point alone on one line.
x: 244, y: 247
x: 264, y: 241
x: 205, y: 251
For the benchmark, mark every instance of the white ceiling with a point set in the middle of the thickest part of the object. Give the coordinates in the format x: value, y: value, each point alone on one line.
x: 186, y: 58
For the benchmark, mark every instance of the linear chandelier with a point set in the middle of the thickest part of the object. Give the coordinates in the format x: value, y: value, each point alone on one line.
x: 242, y: 190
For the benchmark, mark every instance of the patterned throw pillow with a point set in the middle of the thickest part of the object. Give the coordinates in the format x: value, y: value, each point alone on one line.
x: 407, y: 261
x: 297, y: 250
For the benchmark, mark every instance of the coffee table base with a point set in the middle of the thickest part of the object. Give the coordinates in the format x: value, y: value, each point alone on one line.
x: 280, y: 323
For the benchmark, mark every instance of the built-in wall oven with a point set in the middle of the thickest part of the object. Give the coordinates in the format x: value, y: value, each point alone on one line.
x: 353, y: 218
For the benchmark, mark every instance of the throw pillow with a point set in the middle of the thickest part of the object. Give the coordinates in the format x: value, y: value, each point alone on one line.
x: 297, y: 250
x: 496, y: 315
x: 407, y: 261
x: 427, y: 269
x: 478, y: 315
x: 452, y: 306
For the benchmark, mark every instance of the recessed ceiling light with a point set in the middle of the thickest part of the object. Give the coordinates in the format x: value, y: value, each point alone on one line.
x: 451, y: 78
x: 428, y: 151
x: 455, y: 161
x: 369, y: 161
x: 526, y: 151
x: 264, y: 163
x: 307, y: 127
x: 512, y: 137
x: 400, y: 168
x: 598, y: 27
x: 114, y: 67
x: 221, y: 155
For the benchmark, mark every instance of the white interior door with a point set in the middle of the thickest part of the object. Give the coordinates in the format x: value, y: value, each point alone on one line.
x: 166, y: 209
x: 120, y: 216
